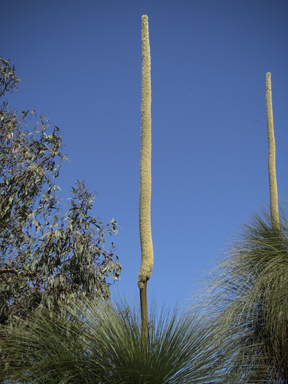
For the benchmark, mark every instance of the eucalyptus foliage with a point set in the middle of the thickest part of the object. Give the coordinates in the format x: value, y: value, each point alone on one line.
x: 249, y: 295
x: 47, y: 256
x: 101, y: 343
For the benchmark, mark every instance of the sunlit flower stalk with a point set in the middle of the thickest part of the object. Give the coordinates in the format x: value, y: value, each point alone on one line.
x: 145, y: 179
x: 272, y: 156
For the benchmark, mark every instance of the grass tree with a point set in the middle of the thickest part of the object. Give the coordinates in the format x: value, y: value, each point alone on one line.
x: 249, y: 288
x: 102, y: 342
x: 145, y: 179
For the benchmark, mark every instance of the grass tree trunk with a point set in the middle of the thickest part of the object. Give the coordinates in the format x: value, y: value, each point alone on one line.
x: 272, y: 156
x: 145, y: 180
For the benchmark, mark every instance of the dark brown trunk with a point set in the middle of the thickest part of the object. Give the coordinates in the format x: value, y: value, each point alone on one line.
x: 144, y: 315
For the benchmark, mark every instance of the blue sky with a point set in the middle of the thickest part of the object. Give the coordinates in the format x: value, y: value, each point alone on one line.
x: 80, y: 65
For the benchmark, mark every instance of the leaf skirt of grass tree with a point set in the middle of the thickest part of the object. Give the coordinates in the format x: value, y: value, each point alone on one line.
x: 102, y: 343
x: 248, y: 291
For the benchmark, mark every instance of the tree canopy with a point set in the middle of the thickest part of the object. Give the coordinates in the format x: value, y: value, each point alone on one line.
x: 47, y: 255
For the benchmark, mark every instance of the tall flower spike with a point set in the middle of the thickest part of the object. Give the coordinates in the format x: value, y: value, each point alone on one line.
x: 271, y: 157
x: 145, y: 163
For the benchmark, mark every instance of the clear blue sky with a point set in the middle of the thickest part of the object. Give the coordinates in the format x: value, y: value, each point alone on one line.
x: 80, y: 64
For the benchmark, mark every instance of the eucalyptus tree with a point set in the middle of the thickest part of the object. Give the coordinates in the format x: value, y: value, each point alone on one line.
x: 46, y: 256
x: 248, y: 292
